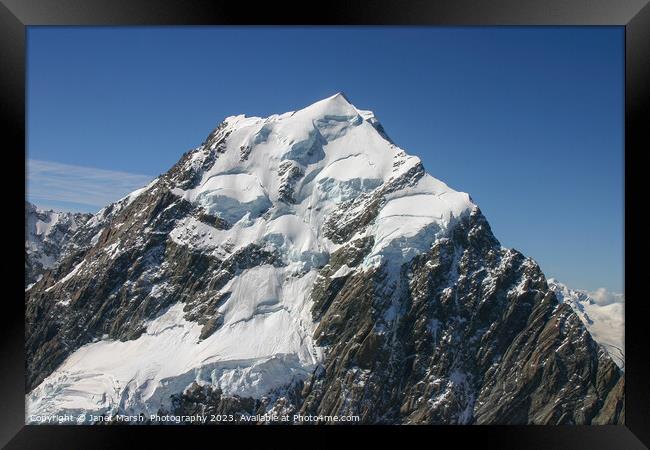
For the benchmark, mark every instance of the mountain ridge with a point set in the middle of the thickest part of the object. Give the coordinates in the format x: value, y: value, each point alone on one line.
x: 47, y: 233
x: 304, y: 262
x: 604, y: 319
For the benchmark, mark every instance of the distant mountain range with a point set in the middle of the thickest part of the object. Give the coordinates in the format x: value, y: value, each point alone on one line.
x: 47, y: 234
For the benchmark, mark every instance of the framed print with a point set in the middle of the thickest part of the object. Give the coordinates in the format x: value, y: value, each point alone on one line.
x: 397, y: 218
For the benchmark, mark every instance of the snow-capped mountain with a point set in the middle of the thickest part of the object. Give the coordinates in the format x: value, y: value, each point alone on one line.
x: 304, y: 263
x: 602, y: 312
x: 46, y: 234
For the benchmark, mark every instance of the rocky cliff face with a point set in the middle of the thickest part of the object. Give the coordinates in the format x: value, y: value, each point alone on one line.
x: 468, y: 332
x: 304, y: 263
x: 47, y: 234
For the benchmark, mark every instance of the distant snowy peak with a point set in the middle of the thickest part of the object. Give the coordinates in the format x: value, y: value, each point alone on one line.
x: 42, y: 224
x: 602, y: 312
x: 46, y: 234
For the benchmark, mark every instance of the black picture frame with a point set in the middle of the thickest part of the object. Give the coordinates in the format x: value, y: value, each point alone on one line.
x: 634, y: 15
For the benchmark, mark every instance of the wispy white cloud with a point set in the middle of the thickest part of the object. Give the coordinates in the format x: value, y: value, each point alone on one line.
x: 604, y: 297
x: 51, y: 182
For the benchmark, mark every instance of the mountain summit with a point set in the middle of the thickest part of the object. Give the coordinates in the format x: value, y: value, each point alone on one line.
x: 304, y: 263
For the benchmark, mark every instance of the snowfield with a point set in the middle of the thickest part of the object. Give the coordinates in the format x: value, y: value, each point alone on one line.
x: 264, y: 344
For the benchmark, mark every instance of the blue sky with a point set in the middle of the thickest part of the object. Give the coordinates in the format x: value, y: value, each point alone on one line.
x: 529, y: 121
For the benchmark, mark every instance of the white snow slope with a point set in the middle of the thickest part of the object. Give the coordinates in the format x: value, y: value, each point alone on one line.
x: 266, y: 338
x: 602, y: 312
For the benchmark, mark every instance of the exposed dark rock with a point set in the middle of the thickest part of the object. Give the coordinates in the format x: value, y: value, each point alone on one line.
x: 245, y: 150
x: 470, y: 334
x: 353, y: 215
x: 289, y: 174
x: 214, y: 221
